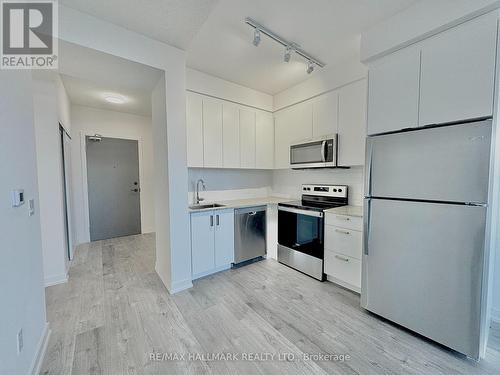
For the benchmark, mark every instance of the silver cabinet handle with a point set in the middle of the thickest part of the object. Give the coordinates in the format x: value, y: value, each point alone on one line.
x: 211, y: 220
x: 342, y: 258
x: 217, y: 220
x: 342, y: 231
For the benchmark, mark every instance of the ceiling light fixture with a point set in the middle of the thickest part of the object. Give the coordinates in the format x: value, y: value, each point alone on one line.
x: 310, y: 67
x: 290, y: 46
x: 114, y: 98
x: 256, y: 37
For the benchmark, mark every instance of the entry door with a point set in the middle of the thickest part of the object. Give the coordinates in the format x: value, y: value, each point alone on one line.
x: 113, y: 187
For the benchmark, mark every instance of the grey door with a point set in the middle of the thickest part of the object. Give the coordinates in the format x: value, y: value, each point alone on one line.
x: 442, y: 164
x: 113, y: 187
x: 423, y: 269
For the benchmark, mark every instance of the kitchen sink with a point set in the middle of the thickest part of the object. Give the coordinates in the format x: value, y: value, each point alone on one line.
x: 204, y: 206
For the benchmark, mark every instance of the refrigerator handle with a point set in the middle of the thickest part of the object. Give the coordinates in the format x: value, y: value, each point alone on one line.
x: 369, y: 163
x: 366, y: 225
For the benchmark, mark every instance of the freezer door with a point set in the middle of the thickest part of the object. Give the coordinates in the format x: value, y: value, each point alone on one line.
x: 422, y: 269
x: 449, y: 163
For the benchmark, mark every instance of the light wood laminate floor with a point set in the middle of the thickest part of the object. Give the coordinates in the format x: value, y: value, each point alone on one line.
x: 114, y: 311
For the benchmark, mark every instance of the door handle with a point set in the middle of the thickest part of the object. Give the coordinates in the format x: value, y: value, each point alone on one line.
x: 342, y: 258
x: 217, y: 220
x: 323, y: 151
x: 211, y: 220
x: 366, y: 225
x: 342, y: 231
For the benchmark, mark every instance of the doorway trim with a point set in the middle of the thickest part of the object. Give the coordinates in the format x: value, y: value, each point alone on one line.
x: 83, y: 155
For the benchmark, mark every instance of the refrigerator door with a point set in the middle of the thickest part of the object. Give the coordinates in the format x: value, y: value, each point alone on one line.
x: 449, y: 163
x: 422, y: 268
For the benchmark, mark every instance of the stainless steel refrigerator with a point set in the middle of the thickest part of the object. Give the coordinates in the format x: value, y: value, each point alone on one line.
x: 426, y: 194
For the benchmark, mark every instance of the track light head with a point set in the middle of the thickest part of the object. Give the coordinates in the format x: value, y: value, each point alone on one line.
x: 288, y: 52
x: 310, y: 67
x: 256, y: 37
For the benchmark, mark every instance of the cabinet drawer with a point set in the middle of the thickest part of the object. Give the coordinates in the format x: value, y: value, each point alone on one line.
x: 343, y: 241
x: 347, y: 222
x: 343, y: 268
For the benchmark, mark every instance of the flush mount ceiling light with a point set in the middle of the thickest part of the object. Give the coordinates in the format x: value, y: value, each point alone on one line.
x: 114, y: 98
x: 289, y: 46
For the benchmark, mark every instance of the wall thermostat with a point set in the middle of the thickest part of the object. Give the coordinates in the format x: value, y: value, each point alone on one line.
x: 17, y: 197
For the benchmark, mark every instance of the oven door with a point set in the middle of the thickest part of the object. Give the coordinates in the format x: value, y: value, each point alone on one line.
x: 301, y: 230
x: 314, y: 154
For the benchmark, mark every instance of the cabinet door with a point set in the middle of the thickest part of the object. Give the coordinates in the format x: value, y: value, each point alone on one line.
x: 230, y: 136
x: 394, y: 92
x: 325, y: 114
x: 202, y: 243
x: 264, y: 140
x: 292, y: 124
x: 224, y: 237
x: 194, y: 123
x: 212, y: 132
x: 458, y: 72
x: 247, y: 138
x: 352, y: 124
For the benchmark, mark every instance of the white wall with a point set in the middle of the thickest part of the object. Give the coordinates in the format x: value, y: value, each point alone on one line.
x: 50, y: 180
x: 88, y: 121
x: 209, y: 85
x: 64, y: 105
x: 423, y: 19
x: 21, y: 272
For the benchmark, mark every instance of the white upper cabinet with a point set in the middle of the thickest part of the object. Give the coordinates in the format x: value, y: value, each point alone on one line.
x: 394, y: 92
x: 352, y: 124
x: 230, y: 135
x: 212, y: 132
x: 194, y: 123
x: 264, y: 140
x: 325, y: 114
x: 301, y: 125
x: 247, y: 138
x: 458, y: 72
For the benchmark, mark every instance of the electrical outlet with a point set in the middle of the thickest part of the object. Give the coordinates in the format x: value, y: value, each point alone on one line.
x: 20, y: 341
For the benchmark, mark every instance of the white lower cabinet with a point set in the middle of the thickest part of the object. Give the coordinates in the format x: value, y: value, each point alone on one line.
x: 212, y: 241
x: 343, y: 250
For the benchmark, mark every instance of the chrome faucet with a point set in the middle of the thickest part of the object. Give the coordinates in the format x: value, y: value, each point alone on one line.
x: 198, y: 199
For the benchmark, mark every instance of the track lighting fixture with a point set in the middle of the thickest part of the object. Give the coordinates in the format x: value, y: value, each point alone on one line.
x: 288, y: 52
x: 289, y: 46
x: 256, y: 37
x: 310, y: 67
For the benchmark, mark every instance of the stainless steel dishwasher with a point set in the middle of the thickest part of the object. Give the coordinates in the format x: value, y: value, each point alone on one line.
x: 249, y: 233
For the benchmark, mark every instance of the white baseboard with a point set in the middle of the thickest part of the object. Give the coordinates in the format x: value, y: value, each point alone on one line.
x: 179, y: 286
x: 495, y: 315
x: 41, y: 349
x: 54, y: 280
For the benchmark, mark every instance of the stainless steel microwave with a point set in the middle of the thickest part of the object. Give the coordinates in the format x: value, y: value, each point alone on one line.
x: 316, y: 153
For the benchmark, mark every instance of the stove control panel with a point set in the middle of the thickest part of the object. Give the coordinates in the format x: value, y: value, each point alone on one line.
x: 339, y: 191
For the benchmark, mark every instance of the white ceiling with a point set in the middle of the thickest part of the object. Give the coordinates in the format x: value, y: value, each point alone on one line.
x: 218, y: 42
x: 174, y: 22
x: 328, y: 29
x: 88, y: 75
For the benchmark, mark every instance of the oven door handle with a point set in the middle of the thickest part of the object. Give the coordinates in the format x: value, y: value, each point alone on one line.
x: 300, y: 212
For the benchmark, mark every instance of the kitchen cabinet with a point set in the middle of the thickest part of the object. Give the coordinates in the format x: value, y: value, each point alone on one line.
x: 325, y: 114
x: 212, y: 132
x: 458, y: 72
x: 393, y: 92
x: 194, y: 124
x: 343, y: 249
x: 247, y: 138
x: 230, y: 135
x: 292, y: 124
x: 264, y: 140
x: 212, y: 241
x: 352, y: 124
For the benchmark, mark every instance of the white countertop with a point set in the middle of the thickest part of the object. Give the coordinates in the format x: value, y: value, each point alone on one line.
x: 240, y: 203
x: 346, y: 211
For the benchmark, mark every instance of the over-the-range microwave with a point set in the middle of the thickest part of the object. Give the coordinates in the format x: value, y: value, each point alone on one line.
x: 315, y: 153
